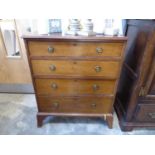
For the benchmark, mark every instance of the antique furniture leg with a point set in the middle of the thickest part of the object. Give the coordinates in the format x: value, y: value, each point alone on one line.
x: 40, y: 119
x: 109, y: 119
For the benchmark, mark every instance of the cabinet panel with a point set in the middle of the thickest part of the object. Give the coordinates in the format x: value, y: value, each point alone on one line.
x: 145, y: 113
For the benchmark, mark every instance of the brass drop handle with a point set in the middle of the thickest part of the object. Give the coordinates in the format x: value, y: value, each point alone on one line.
x: 51, y: 49
x: 99, y: 50
x: 98, y: 68
x: 55, y: 104
x: 93, y: 105
x: 95, y: 87
x: 54, y: 86
x: 152, y: 115
x: 52, y: 67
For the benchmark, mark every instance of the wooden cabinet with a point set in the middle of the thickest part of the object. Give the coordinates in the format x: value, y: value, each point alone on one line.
x: 75, y: 76
x: 135, y: 100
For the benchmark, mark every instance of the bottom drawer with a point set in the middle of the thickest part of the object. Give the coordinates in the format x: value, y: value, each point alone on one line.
x: 145, y: 113
x: 98, y: 105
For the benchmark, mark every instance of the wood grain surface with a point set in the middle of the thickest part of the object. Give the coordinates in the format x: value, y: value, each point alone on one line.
x: 74, y: 87
x: 75, y: 105
x: 75, y: 49
x: 70, y: 67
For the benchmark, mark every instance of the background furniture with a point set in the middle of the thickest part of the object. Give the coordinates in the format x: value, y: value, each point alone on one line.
x: 135, y: 100
x: 75, y: 76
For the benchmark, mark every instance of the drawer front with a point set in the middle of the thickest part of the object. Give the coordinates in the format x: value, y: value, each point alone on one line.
x: 80, y: 68
x: 75, y: 105
x: 74, y: 49
x: 145, y: 113
x: 74, y: 87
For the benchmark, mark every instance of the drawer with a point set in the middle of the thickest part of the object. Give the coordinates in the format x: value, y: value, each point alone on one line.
x: 75, y: 105
x: 145, y: 113
x: 80, y: 68
x: 74, y: 49
x: 74, y: 87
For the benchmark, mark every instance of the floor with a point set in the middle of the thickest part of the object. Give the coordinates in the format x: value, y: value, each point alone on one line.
x: 18, y: 117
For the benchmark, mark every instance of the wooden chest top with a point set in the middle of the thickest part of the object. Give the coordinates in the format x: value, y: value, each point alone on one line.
x: 59, y: 37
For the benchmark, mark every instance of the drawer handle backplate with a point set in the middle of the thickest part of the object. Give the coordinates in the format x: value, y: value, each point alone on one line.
x: 95, y: 87
x: 50, y: 49
x: 55, y: 104
x: 93, y: 105
x: 98, y: 69
x: 99, y: 50
x: 52, y: 67
x: 54, y: 86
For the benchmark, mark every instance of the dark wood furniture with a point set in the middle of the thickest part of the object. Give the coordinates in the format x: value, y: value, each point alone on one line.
x: 135, y: 99
x: 75, y: 76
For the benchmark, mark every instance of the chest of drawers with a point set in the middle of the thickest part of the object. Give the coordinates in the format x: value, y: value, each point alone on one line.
x: 75, y: 76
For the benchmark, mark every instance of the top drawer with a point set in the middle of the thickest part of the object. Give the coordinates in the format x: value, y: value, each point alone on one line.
x: 39, y: 48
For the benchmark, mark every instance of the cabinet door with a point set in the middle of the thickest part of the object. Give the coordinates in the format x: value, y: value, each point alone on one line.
x: 147, y: 76
x: 14, y: 67
x: 150, y: 81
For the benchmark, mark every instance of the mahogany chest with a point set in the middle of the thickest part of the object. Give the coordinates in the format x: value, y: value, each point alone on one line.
x: 75, y: 76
